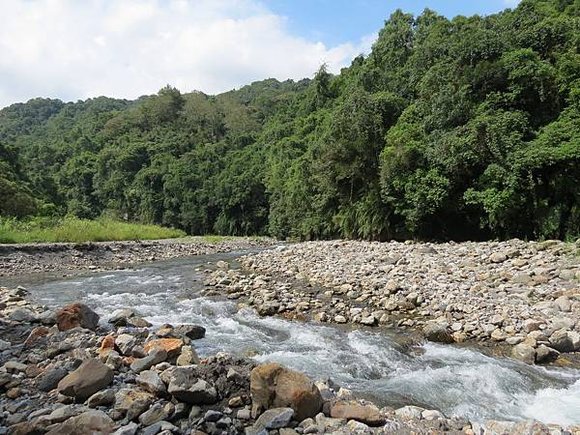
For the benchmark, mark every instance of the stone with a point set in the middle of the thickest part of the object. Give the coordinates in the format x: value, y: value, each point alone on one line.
x: 339, y: 319
x: 193, y: 332
x: 22, y: 315
x: 186, y: 386
x: 5, y: 345
x: 120, y: 317
x: 563, y: 303
x: 76, y: 315
x: 132, y: 402
x: 187, y: 357
x: 49, y: 380
x: 91, y: 376
x: 367, y: 414
x: 63, y: 413
x: 171, y: 345
x: 275, y: 418
x: 437, y: 332
x: 212, y: 415
x: 91, y: 422
x: 101, y: 398
x: 125, y: 343
x: 150, y: 381
x: 561, y: 341
x: 432, y: 414
x: 107, y: 346
x: 14, y: 366
x: 530, y: 325
x: 154, y: 414
x: 410, y: 413
x: 35, y: 336
x: 274, y: 386
x: 156, y: 356
x: 128, y: 429
x: 545, y: 354
x: 524, y: 352
x: 161, y: 428
x: 498, y: 257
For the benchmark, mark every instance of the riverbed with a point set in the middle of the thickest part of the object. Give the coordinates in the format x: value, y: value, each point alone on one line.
x: 374, y: 363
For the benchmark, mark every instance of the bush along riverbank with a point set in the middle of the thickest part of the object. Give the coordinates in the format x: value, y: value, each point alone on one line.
x: 65, y: 372
x: 74, y: 230
x: 523, y: 295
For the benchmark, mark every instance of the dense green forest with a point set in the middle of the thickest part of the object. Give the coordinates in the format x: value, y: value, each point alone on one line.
x: 449, y: 129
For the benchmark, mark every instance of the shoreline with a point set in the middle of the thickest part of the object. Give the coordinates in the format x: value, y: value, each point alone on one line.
x: 69, y: 373
x: 55, y: 258
x: 520, y: 296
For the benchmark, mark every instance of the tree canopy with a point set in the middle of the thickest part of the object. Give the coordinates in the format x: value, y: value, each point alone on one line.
x: 449, y: 129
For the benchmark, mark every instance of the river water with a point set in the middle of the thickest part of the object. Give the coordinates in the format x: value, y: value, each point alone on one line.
x: 455, y: 380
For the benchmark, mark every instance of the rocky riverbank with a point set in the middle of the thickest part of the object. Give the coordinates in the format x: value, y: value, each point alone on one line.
x: 16, y: 260
x: 64, y: 372
x: 522, y: 295
x: 67, y: 372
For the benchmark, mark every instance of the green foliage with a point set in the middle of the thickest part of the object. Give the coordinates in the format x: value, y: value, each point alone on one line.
x: 79, y: 230
x: 448, y: 129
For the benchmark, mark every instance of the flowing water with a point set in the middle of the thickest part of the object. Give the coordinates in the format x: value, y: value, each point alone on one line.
x: 455, y: 380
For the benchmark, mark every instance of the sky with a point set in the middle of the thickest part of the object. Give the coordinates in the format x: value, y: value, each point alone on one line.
x: 79, y: 49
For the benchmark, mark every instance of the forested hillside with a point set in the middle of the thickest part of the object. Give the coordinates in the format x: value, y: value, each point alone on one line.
x: 448, y: 129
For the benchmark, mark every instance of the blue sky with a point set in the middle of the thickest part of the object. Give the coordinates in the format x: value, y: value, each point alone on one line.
x: 78, y: 49
x: 340, y: 21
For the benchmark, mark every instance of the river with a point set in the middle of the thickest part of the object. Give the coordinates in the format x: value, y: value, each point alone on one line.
x: 456, y: 380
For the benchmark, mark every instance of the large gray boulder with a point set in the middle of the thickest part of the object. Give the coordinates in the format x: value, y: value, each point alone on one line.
x: 91, y: 376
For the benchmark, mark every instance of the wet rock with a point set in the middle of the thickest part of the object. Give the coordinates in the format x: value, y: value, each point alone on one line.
x: 274, y: 386
x: 545, y: 354
x: 365, y: 413
x: 193, y: 332
x: 437, y: 332
x: 76, y: 315
x: 562, y: 341
x: 90, y: 377
x: 524, y: 352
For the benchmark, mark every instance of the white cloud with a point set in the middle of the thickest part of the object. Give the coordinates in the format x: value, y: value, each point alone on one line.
x: 511, y: 3
x: 73, y: 49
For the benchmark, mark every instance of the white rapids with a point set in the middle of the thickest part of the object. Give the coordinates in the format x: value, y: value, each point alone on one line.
x: 456, y: 380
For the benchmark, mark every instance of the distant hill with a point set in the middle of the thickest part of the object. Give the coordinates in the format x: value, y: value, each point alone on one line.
x: 448, y: 129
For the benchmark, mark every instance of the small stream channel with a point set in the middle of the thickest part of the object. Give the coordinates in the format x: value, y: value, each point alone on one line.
x: 455, y: 380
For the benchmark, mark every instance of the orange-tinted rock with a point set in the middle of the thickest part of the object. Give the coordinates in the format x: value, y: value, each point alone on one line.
x: 107, y: 345
x: 76, y: 315
x: 35, y: 335
x: 367, y: 414
x: 274, y: 386
x: 171, y: 345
